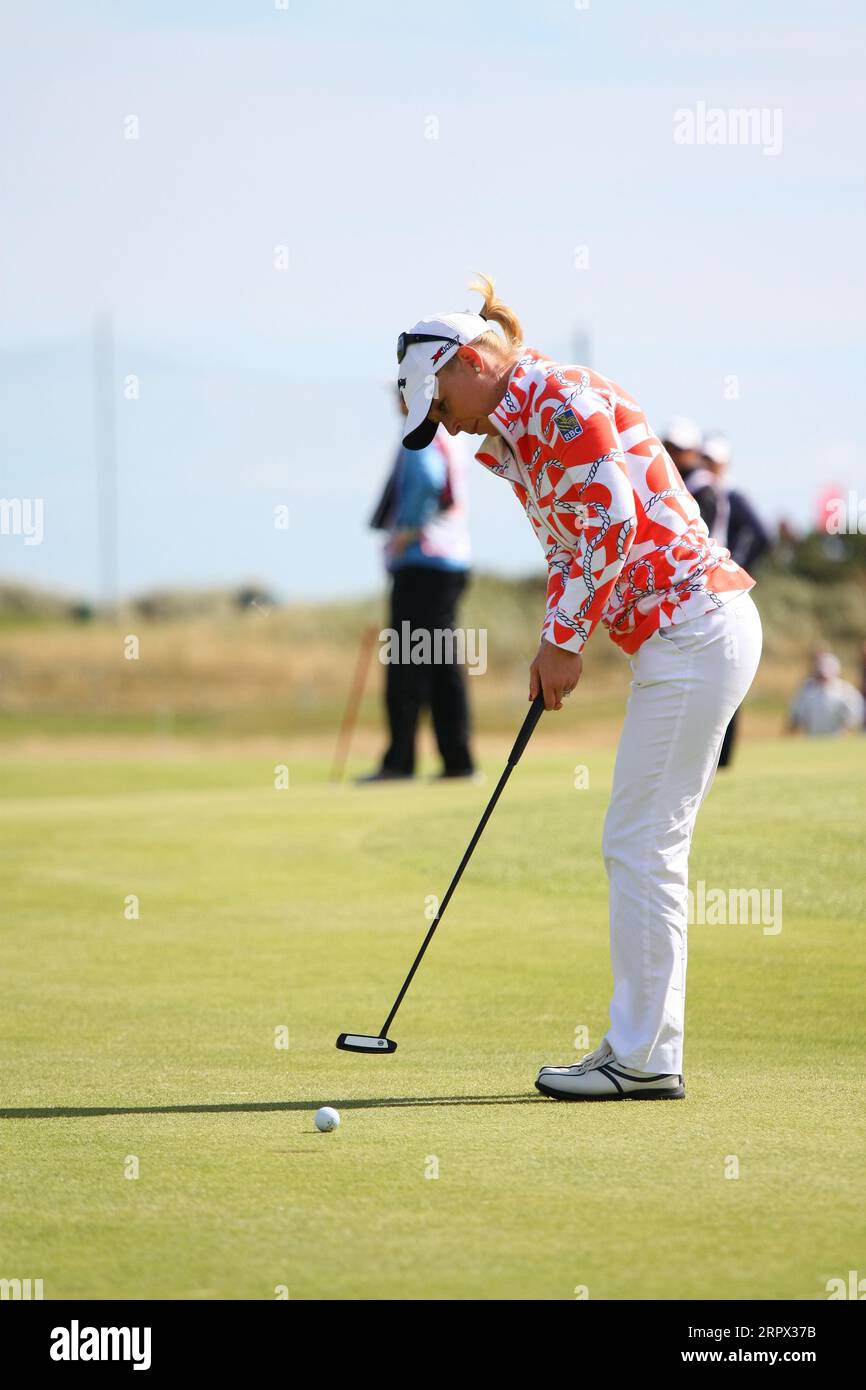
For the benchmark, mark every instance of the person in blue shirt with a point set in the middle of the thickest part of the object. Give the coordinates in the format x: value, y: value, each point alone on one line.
x: 427, y: 555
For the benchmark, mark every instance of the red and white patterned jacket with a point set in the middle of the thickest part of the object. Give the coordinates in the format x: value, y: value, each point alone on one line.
x: 623, y: 537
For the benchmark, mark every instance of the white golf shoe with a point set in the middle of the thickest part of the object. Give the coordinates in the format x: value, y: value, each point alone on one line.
x: 599, y: 1076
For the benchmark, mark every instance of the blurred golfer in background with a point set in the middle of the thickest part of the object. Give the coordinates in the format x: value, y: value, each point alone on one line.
x: 427, y: 554
x: 626, y: 547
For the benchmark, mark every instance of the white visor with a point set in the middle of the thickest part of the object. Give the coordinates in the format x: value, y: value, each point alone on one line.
x: 416, y: 374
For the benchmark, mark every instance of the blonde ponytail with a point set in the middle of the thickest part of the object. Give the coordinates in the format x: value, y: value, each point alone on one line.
x: 497, y: 312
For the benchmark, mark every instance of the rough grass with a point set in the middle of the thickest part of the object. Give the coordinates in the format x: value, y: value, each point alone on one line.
x: 289, y: 670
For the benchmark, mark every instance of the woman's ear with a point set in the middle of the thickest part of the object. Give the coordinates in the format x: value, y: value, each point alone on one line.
x: 471, y: 356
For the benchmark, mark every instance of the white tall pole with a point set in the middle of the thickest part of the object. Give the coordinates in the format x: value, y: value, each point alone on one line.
x: 582, y: 347
x: 105, y: 438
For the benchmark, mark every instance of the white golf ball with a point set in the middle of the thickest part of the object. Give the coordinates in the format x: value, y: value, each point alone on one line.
x: 327, y: 1119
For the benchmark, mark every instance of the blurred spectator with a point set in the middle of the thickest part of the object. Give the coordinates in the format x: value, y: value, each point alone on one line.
x: 787, y: 540
x: 733, y: 522
x: 738, y: 527
x: 682, y: 440
x: 423, y: 511
x: 826, y: 704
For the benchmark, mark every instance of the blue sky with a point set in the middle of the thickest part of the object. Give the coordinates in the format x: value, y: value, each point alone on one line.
x: 306, y: 127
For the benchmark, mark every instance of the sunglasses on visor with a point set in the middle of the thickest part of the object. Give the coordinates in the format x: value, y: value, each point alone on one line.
x: 405, y: 341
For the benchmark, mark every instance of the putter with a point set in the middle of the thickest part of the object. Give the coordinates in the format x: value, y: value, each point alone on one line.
x: 365, y: 1042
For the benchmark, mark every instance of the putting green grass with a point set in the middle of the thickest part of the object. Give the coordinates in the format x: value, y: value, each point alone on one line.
x: 149, y: 1045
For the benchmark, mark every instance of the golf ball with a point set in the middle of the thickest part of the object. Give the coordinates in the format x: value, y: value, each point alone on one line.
x: 327, y: 1119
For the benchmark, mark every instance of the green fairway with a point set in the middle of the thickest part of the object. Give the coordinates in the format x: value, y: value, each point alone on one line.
x: 152, y: 1041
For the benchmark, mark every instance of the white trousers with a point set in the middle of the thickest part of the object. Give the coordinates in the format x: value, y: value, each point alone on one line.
x: 687, y: 681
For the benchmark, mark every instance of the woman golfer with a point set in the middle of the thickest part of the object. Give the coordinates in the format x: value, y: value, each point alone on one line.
x: 625, y: 546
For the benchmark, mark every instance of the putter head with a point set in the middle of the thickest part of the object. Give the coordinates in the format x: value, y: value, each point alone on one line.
x: 362, y: 1042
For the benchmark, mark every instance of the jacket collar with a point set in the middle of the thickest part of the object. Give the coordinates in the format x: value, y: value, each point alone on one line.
x: 511, y: 416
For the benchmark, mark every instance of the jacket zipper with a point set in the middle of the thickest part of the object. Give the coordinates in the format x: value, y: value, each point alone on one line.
x: 550, y: 526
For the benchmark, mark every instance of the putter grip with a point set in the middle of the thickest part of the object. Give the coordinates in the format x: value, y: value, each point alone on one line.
x: 529, y: 723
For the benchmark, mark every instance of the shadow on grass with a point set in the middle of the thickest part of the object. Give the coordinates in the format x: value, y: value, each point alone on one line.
x: 68, y: 1112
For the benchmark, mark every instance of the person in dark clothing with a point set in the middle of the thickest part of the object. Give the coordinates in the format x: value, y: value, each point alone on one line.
x: 735, y: 524
x: 682, y: 440
x: 427, y: 599
x: 427, y: 555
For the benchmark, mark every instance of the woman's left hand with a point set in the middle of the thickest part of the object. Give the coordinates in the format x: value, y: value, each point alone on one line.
x: 401, y: 539
x: 556, y: 671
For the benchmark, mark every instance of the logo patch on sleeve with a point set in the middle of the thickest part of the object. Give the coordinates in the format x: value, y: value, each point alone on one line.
x: 567, y: 423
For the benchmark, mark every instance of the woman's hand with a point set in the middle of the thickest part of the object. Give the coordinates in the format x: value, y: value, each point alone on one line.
x: 401, y: 539
x: 555, y: 671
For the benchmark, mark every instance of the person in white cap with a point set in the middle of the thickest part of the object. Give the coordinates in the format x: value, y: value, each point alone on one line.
x: 682, y: 439
x: 625, y: 547
x: 736, y: 525
x: 826, y: 704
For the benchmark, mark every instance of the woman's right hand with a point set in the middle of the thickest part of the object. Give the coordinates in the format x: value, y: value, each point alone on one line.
x: 555, y: 672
